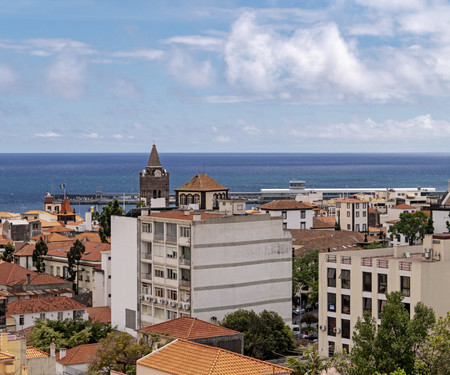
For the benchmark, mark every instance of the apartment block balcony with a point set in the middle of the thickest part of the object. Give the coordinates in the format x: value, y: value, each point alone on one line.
x: 147, y: 256
x: 185, y: 283
x: 146, y: 276
x: 184, y: 261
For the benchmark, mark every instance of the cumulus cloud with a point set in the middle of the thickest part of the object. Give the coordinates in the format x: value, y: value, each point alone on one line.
x: 92, y: 136
x: 49, y: 134
x: 222, y: 139
x: 142, y: 54
x: 197, y: 41
x: 189, y: 71
x: 8, y: 78
x: 117, y: 136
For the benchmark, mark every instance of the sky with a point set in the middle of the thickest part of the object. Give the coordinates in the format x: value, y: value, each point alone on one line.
x: 224, y: 76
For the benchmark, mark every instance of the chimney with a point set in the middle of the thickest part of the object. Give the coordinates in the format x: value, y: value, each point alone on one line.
x: 52, y: 349
x: 24, y: 370
x: 28, y: 278
x: 62, y: 353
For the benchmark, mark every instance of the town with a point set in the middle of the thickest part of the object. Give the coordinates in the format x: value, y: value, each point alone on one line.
x: 209, y: 283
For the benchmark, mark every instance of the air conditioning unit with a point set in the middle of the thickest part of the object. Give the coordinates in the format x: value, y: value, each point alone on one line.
x: 147, y: 298
x: 180, y: 305
x: 161, y: 301
x: 187, y: 306
x: 336, y: 330
x: 323, y: 328
x: 142, y: 297
x: 173, y: 304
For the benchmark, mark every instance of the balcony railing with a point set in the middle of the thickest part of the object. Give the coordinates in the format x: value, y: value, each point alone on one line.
x: 346, y: 260
x: 171, y: 238
x: 147, y: 256
x: 382, y: 263
x: 159, y: 236
x: 366, y: 262
x: 404, y: 266
x: 185, y: 262
x: 147, y: 276
x: 185, y: 282
x: 331, y: 258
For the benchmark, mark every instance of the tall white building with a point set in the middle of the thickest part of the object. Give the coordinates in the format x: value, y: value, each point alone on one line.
x: 205, y: 265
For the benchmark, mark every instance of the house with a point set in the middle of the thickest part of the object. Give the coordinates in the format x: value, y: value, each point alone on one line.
x: 26, y: 311
x: 354, y: 282
x: 39, y: 215
x: 100, y: 314
x: 16, y: 229
x: 23, y: 256
x: 196, y: 330
x: 440, y: 213
x: 296, y: 215
x: 352, y: 214
x: 182, y: 357
x: 17, y: 282
x: 394, y: 212
x: 200, y: 264
x: 8, y: 216
x: 75, y: 361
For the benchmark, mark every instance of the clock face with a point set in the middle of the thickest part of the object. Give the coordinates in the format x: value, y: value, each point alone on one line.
x: 157, y: 173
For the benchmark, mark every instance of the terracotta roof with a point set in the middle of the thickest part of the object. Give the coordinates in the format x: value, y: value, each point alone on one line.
x: 8, y: 214
x: 13, y: 274
x: 182, y: 357
x: 391, y: 221
x: 92, y: 251
x: 33, y: 352
x: 188, y: 328
x: 80, y: 354
x: 351, y: 200
x: 25, y: 251
x: 6, y: 357
x: 286, y: 205
x: 201, y: 182
x: 403, y: 206
x: 88, y: 236
x: 36, y: 305
x: 52, y: 237
x: 100, y: 314
x: 153, y: 160
x: 180, y: 215
x: 319, y: 222
x: 65, y: 207
x: 426, y: 212
x: 58, y: 228
x: 4, y: 241
x: 47, y: 224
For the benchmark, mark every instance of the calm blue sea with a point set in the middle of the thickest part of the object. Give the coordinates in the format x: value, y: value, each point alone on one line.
x: 24, y: 178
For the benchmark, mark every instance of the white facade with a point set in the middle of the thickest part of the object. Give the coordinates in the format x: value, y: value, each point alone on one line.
x: 294, y: 219
x: 101, y: 283
x: 28, y: 320
x: 124, y: 273
x: 440, y: 218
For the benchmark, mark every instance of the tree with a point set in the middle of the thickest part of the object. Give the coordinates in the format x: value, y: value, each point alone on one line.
x: 73, y: 259
x: 374, y: 245
x: 309, y: 319
x: 309, y: 363
x: 305, y: 273
x: 40, y: 250
x: 394, y: 345
x: 119, y: 352
x: 104, y: 218
x: 8, y: 253
x: 265, y: 335
x: 434, y: 351
x: 412, y: 225
x: 67, y: 333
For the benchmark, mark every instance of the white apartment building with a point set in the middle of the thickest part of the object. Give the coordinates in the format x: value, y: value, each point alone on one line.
x: 206, y: 265
x: 353, y: 282
x: 353, y: 214
x: 296, y: 215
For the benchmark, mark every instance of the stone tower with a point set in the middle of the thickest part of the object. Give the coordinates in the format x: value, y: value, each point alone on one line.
x: 154, y: 180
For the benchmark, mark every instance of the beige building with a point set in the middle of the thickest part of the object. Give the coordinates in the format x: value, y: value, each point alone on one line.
x: 353, y: 214
x: 353, y: 282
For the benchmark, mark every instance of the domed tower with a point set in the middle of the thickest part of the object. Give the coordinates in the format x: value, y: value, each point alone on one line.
x: 154, y: 180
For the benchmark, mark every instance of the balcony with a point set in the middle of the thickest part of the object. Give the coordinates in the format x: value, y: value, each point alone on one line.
x: 184, y: 261
x: 147, y: 256
x: 404, y: 266
x: 159, y: 236
x: 146, y: 276
x: 382, y: 263
x: 366, y: 262
x: 171, y: 238
x: 185, y: 283
x: 331, y: 258
x: 346, y: 260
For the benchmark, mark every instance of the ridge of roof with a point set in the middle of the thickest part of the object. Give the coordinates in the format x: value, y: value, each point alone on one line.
x: 79, y: 354
x: 286, y: 204
x: 46, y: 304
x: 65, y: 207
x: 201, y: 182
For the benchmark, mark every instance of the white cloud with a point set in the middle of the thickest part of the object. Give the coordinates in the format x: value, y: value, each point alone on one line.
x: 229, y: 99
x: 117, y: 136
x: 137, y: 125
x: 143, y: 54
x: 92, y: 136
x: 252, y: 130
x: 8, y: 78
x: 189, y: 71
x: 214, y: 129
x: 222, y: 139
x: 124, y: 88
x: 49, y: 134
x: 197, y: 41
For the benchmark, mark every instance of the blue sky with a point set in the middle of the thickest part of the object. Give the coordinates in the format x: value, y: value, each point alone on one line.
x: 247, y: 76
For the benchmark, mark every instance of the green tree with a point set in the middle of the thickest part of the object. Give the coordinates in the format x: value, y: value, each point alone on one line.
x: 140, y: 204
x: 265, y: 335
x: 375, y: 245
x: 104, y: 218
x: 433, y: 356
x: 8, y: 253
x: 412, y: 225
x: 73, y: 260
x: 309, y: 319
x: 305, y: 274
x: 394, y: 345
x: 119, y: 352
x: 309, y: 363
x: 40, y: 250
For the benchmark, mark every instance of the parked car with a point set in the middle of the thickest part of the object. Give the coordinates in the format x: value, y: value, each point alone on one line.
x: 309, y: 308
x: 298, y: 311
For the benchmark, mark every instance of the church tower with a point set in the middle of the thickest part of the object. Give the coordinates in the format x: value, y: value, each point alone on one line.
x: 154, y: 180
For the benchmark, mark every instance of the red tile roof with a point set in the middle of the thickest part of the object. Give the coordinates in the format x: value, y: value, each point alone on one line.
x: 286, y: 205
x: 201, y: 182
x: 13, y: 274
x: 80, y: 354
x: 182, y: 357
x: 101, y: 314
x: 25, y: 251
x: 181, y: 215
x: 88, y: 236
x: 58, y: 229
x: 188, y: 328
x: 37, y: 305
x: 93, y: 250
x: 33, y: 352
x: 65, y: 207
x: 403, y: 206
x: 6, y: 357
x: 319, y: 222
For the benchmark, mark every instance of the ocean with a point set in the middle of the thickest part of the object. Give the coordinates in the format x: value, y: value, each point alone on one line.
x: 25, y: 178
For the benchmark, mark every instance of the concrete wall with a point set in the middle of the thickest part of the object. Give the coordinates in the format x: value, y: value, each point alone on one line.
x: 440, y: 217
x: 124, y: 270
x: 41, y: 366
x: 233, y: 343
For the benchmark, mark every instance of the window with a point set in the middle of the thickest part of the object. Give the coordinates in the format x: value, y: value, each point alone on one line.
x: 357, y: 213
x: 357, y: 227
x: 345, y: 304
x: 185, y: 232
x: 331, y: 274
x: 331, y: 348
x: 80, y: 276
x: 367, y: 305
x: 348, y: 213
x: 345, y: 348
x: 338, y: 205
x: 357, y: 206
x: 364, y: 227
x: 345, y: 324
x: 159, y: 292
x: 331, y: 302
x: 159, y: 250
x: 284, y: 225
x: 172, y: 294
x: 172, y: 273
x: 364, y: 205
x: 349, y: 227
x: 171, y: 314
x: 60, y: 315
x: 345, y: 279
x: 284, y: 213
x: 364, y: 213
x: 159, y: 272
x: 58, y: 271
x: 302, y: 214
x: 159, y: 231
x: 367, y: 282
x: 146, y: 228
x: 88, y: 276
x: 381, y: 303
x: 130, y: 318
x: 21, y: 320
x: 42, y: 316
x: 172, y: 232
x: 303, y: 225
x: 51, y: 270
x: 171, y: 252
x: 405, y: 285
x: 348, y: 205
x: 331, y: 326
x: 382, y: 283
x: 65, y: 272
x: 159, y: 313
